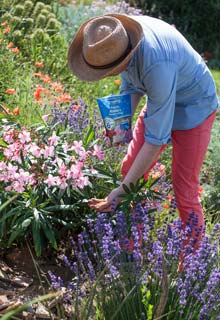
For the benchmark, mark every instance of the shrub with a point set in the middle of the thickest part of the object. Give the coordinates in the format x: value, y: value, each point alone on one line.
x: 26, y: 18
x: 46, y: 176
x: 198, y: 21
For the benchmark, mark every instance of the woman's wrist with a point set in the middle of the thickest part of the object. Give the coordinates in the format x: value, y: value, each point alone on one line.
x: 120, y: 190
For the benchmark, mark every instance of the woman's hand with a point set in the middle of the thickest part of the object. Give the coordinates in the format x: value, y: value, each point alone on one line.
x: 105, y: 205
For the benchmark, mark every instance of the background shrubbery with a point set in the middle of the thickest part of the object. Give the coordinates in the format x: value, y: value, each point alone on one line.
x: 197, y: 20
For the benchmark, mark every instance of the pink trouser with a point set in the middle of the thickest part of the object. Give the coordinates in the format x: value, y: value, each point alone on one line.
x: 188, y: 151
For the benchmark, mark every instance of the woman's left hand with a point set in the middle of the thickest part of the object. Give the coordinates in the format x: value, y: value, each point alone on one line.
x: 105, y: 205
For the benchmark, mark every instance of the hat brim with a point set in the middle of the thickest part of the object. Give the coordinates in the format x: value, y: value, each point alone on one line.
x: 86, y: 72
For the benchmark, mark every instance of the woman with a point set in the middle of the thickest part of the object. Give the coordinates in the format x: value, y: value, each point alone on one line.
x: 155, y: 60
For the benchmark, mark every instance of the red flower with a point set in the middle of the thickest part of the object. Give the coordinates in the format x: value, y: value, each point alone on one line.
x: 10, y: 91
x: 38, y: 91
x: 64, y: 98
x: 117, y: 82
x: 6, y: 30
x: 5, y: 23
x: 45, y: 78
x: 15, y: 50
x: 39, y: 64
x: 16, y: 111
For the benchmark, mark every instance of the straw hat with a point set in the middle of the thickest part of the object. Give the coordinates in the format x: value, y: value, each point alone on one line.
x: 103, y: 46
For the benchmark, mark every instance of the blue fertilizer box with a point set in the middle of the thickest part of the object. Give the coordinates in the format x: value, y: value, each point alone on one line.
x: 117, y: 117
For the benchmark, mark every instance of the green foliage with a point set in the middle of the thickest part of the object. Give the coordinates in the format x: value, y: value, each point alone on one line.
x: 39, y: 209
x: 197, y: 20
x: 27, y: 18
x: 72, y: 17
x: 210, y: 176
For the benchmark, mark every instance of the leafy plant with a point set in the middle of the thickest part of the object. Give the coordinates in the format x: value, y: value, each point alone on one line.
x: 116, y: 275
x: 49, y: 175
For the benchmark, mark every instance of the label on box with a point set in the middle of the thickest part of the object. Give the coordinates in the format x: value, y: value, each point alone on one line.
x: 117, y: 117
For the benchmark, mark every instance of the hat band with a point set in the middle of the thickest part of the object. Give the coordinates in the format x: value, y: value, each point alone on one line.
x: 112, y: 64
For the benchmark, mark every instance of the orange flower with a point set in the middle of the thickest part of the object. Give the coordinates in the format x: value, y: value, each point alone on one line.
x: 169, y: 197
x: 39, y: 64
x: 3, y: 24
x: 16, y: 111
x: 10, y: 45
x: 6, y: 30
x: 37, y: 74
x: 75, y: 107
x: 45, y: 78
x: 156, y: 189
x: 15, y: 50
x: 200, y: 189
x: 10, y: 91
x: 117, y: 82
x: 57, y: 86
x: 65, y: 97
x: 165, y: 206
x: 156, y: 175
x: 38, y: 91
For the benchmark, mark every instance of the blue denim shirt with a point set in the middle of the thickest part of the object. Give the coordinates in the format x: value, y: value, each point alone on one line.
x: 179, y: 87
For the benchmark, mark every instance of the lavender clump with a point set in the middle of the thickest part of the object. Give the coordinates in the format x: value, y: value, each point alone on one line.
x: 75, y: 117
x: 149, y: 250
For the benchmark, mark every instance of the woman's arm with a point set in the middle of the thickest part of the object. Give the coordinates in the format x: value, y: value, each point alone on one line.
x: 135, y: 99
x: 141, y: 163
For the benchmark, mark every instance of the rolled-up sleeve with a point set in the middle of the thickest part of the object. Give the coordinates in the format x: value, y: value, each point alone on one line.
x: 160, y: 83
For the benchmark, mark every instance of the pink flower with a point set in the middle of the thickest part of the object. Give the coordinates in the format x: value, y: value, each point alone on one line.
x: 97, y: 151
x: 51, y: 181
x: 75, y: 171
x: 3, y: 166
x: 45, y: 117
x: 22, y: 176
x: 48, y: 151
x: 62, y: 170
x: 11, y: 170
x: 18, y: 186
x: 62, y: 183
x: 35, y: 150
x: 77, y: 146
x: 24, y: 136
x: 53, y: 140
x: 65, y: 147
x: 93, y: 171
x: 12, y: 152
x: 8, y: 135
x: 82, y: 182
x: 83, y: 154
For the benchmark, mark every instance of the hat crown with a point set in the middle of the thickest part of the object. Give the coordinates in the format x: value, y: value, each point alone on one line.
x: 105, y: 40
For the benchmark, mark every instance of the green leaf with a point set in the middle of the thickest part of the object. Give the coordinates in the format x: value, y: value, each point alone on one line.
x: 6, y: 203
x: 132, y: 187
x: 126, y: 189
x: 50, y: 234
x: 90, y: 136
x: 26, y: 223
x: 3, y: 143
x: 9, y: 214
x: 15, y: 234
x: 36, y: 214
x: 61, y: 207
x: 36, y: 233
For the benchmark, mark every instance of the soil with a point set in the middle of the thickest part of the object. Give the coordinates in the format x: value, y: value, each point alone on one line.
x: 24, y: 277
